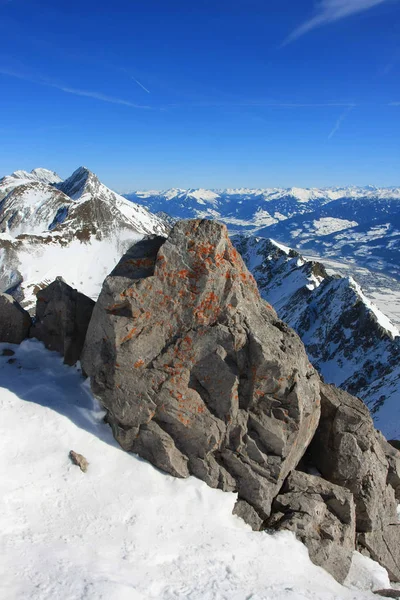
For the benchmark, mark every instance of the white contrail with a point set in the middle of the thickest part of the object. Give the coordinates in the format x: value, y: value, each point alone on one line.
x: 328, y: 11
x: 74, y: 91
x: 141, y: 85
x: 97, y: 96
x: 261, y: 104
x: 340, y: 121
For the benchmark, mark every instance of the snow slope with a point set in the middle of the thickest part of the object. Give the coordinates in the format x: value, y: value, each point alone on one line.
x: 36, y: 261
x: 123, y: 530
x: 383, y: 290
x: 33, y: 208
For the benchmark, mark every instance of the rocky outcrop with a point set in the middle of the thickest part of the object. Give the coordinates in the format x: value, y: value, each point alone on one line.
x: 15, y: 322
x: 62, y: 319
x: 322, y: 515
x: 197, y: 373
x: 349, y: 452
x: 199, y: 376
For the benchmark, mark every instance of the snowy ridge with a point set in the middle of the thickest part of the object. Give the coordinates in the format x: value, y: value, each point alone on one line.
x: 124, y: 530
x: 380, y: 317
x: 33, y: 208
x: 9, y: 182
x: 350, y: 341
x: 300, y: 194
x: 83, y: 186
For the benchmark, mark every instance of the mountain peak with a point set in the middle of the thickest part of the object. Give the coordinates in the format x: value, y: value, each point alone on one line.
x: 38, y: 174
x: 80, y: 182
x: 45, y: 175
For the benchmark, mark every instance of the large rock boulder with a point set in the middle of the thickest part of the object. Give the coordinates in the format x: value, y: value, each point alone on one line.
x: 197, y: 373
x: 322, y: 515
x: 62, y: 318
x: 349, y: 452
x: 15, y: 322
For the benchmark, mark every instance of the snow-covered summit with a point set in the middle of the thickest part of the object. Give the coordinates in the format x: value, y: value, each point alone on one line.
x: 81, y: 182
x: 39, y: 175
x: 100, y: 208
x: 46, y: 176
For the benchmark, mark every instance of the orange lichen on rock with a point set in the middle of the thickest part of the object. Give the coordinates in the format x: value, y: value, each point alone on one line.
x: 129, y: 335
x: 141, y: 262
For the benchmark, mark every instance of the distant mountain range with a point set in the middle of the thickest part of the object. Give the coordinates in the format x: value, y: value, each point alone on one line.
x: 361, y: 224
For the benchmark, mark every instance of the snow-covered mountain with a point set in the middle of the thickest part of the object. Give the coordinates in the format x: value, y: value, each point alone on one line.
x: 32, y: 208
x: 9, y: 182
x: 77, y: 228
x: 351, y: 342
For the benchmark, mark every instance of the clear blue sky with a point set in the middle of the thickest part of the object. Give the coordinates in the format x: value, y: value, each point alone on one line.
x: 211, y: 93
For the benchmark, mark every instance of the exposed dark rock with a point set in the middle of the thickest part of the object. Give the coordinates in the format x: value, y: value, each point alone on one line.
x: 393, y: 457
x: 395, y: 444
x: 79, y: 460
x: 348, y: 451
x: 384, y: 547
x: 245, y: 511
x: 322, y: 515
x: 62, y: 319
x: 196, y: 372
x: 7, y: 352
x: 388, y: 593
x: 15, y: 322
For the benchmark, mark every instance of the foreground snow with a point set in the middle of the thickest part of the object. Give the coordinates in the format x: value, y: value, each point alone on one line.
x: 83, y: 266
x: 124, y: 530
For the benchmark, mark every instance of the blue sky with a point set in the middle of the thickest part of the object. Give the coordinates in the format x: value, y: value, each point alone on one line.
x: 208, y: 93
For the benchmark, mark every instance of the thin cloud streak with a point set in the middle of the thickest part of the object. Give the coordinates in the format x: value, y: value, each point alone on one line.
x: 97, y: 96
x: 114, y: 100
x: 74, y: 91
x: 329, y: 11
x: 141, y: 85
x: 263, y: 105
x: 339, y: 121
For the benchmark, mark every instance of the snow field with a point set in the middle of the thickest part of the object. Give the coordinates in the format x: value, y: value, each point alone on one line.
x: 124, y: 530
